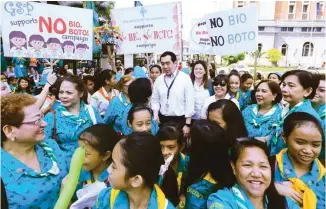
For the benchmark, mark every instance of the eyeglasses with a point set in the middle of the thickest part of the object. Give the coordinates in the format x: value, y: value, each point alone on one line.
x: 222, y: 84
x: 36, y: 122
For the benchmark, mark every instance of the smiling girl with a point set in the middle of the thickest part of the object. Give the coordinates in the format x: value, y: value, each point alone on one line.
x: 234, y: 82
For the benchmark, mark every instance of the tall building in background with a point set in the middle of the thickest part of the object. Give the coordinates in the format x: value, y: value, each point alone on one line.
x: 296, y: 28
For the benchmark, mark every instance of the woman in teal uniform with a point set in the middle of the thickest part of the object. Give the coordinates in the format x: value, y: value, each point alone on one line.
x: 318, y: 102
x: 116, y: 114
x: 72, y: 116
x: 135, y: 168
x: 260, y: 117
x: 31, y: 167
x: 245, y: 89
x: 234, y: 92
x: 299, y: 175
x: 209, y: 167
x: 254, y: 187
x: 298, y: 86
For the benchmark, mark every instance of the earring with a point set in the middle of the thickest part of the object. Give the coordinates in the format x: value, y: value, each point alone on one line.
x: 13, y: 139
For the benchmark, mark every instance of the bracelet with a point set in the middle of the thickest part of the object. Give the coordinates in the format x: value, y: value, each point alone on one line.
x: 188, y: 125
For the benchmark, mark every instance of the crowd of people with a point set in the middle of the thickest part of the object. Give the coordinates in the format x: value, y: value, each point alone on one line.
x: 166, y: 139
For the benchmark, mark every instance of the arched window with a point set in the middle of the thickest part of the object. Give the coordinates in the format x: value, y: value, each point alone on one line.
x: 284, y: 49
x: 260, y: 46
x: 307, y: 49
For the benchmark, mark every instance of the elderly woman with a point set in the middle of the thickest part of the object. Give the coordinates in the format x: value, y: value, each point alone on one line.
x: 31, y: 166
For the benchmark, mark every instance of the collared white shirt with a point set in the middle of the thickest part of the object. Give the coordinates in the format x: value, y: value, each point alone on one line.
x: 181, y: 100
x: 212, y: 99
x: 100, y: 103
x: 201, y: 94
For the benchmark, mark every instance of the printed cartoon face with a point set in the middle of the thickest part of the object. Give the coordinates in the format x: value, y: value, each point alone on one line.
x: 37, y: 45
x: 54, y: 46
x: 81, y: 51
x: 18, y: 42
x: 69, y: 48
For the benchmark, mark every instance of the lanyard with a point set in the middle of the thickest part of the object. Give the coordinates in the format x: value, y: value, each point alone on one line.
x: 169, y: 87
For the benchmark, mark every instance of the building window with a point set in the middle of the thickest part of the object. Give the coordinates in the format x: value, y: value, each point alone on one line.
x: 284, y: 49
x: 305, y: 11
x: 291, y: 9
x: 306, y: 29
x: 318, y: 29
x: 252, y: 2
x: 307, y: 49
x: 261, y: 28
x: 260, y: 46
x: 320, y: 12
x: 240, y: 3
x: 290, y: 29
x: 291, y: 14
x: 284, y: 29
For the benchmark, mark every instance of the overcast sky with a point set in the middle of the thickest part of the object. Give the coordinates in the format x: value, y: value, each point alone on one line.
x: 190, y: 9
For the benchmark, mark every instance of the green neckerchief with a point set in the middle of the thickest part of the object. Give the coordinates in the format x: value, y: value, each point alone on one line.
x: 242, y: 200
x: 54, y: 170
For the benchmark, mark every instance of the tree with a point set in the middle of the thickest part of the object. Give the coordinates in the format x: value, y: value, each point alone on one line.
x: 274, y: 55
x: 234, y: 59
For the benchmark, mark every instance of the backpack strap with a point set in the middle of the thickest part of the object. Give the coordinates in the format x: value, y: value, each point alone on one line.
x: 54, y: 136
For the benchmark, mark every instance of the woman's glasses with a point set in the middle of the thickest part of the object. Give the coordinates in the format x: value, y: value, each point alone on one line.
x: 36, y: 122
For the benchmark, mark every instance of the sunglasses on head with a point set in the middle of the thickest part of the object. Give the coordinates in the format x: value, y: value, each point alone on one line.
x: 222, y: 84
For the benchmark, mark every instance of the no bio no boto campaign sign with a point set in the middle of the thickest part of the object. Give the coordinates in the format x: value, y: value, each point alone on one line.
x: 46, y: 31
x: 233, y: 31
x: 147, y: 29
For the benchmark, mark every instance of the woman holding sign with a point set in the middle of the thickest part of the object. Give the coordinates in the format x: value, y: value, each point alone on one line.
x: 32, y: 167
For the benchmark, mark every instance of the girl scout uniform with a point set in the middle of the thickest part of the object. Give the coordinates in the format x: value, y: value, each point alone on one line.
x: 69, y: 126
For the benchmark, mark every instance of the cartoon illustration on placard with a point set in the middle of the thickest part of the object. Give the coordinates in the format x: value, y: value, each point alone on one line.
x: 68, y: 48
x: 81, y: 49
x: 18, y: 44
x: 37, y: 46
x: 54, y: 48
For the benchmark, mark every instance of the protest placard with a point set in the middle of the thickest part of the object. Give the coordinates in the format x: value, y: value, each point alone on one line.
x: 148, y: 29
x: 233, y: 31
x: 199, y: 42
x: 38, y: 30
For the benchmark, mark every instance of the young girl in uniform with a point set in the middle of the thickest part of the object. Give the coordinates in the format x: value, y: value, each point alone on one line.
x: 140, y: 119
x: 245, y: 89
x: 299, y: 175
x: 234, y: 81
x: 135, y: 168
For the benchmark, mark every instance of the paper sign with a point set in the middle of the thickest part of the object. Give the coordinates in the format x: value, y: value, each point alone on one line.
x: 199, y: 42
x: 38, y: 30
x: 233, y: 31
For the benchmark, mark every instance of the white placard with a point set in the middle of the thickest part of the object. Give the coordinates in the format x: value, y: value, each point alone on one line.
x: 148, y: 29
x: 128, y: 60
x: 233, y: 31
x: 199, y: 42
x: 38, y: 30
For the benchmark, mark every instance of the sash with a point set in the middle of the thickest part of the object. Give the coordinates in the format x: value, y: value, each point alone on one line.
x: 309, y: 197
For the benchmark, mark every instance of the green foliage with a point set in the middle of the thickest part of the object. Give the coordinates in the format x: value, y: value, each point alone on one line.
x: 274, y: 55
x: 234, y: 59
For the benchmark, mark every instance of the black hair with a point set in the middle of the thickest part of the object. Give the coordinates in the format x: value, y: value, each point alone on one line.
x: 170, y: 131
x: 279, y: 77
x: 317, y: 78
x: 157, y: 66
x: 231, y: 114
x: 245, y: 77
x: 11, y: 79
x: 273, y: 86
x: 55, y: 88
x: 140, y: 90
x: 129, y: 70
x: 221, y: 77
x: 80, y: 85
x: 259, y: 76
x: 275, y: 200
x: 171, y: 54
x: 235, y: 74
x: 234, y: 71
x: 20, y: 90
x: 101, y: 137
x: 306, y: 80
x: 142, y: 156
x: 208, y: 154
x: 102, y: 77
x: 137, y: 108
x: 298, y: 119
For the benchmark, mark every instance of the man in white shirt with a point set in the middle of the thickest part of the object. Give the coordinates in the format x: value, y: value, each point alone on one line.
x: 173, y: 94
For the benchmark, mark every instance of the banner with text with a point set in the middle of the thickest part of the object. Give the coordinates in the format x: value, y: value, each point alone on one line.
x: 147, y: 29
x: 233, y: 31
x: 199, y: 42
x: 46, y: 31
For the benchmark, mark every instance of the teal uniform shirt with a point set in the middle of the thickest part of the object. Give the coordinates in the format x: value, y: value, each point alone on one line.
x: 25, y: 187
x: 69, y: 128
x: 275, y: 142
x: 240, y: 99
x: 117, y: 116
x: 197, y: 193
x: 310, y: 179
x: 321, y: 110
x: 104, y: 200
x: 246, y: 98
x: 260, y: 125
x: 235, y: 198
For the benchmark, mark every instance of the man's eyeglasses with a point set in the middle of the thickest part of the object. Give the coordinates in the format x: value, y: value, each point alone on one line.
x: 222, y: 84
x: 36, y: 122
